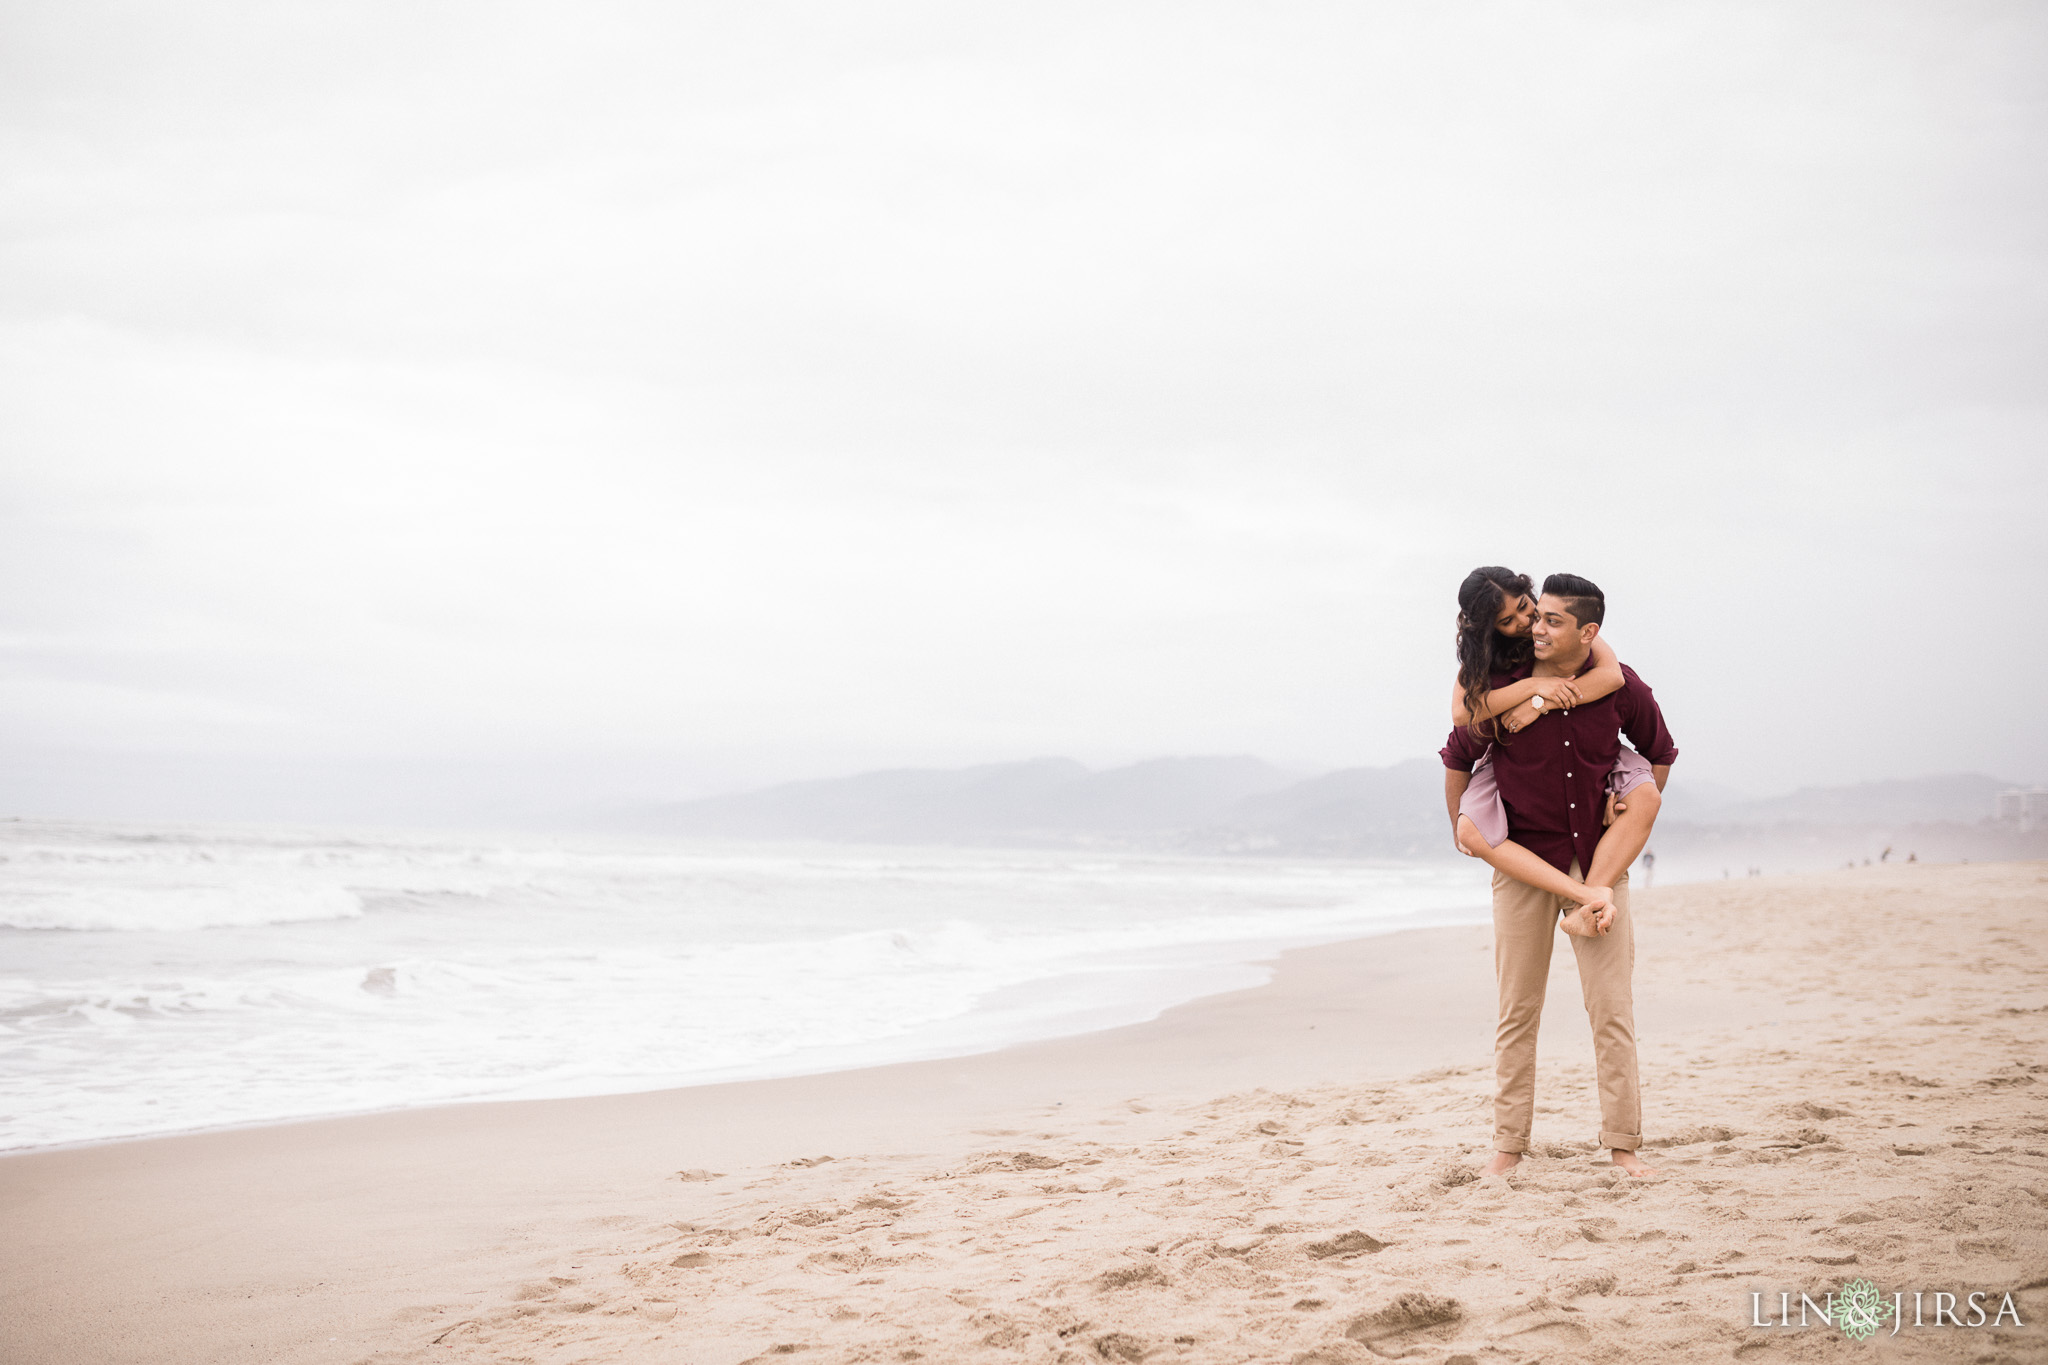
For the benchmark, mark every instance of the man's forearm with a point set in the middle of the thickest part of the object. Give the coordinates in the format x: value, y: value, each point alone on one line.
x: 1455, y: 783
x: 1660, y: 773
x: 1610, y: 860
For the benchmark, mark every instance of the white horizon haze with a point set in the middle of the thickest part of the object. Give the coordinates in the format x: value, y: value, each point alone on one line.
x: 445, y: 410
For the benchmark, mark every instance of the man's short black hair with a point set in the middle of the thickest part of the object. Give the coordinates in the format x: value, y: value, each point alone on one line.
x: 1582, y: 596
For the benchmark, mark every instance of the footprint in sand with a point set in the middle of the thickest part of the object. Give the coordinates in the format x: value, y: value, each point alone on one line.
x: 1131, y: 1276
x: 1121, y: 1346
x: 1807, y: 1109
x: 1558, y: 1334
x: 1346, y: 1244
x: 1408, y: 1314
x: 1574, y: 1286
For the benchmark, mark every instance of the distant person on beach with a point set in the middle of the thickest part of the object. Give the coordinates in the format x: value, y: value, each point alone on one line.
x: 1551, y: 777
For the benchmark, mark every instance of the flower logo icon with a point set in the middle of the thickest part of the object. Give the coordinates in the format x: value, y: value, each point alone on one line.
x: 1860, y: 1310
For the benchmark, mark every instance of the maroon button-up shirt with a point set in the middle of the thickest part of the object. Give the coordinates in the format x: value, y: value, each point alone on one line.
x: 1553, y: 774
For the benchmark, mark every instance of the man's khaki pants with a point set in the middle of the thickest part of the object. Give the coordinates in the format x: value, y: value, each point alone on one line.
x: 1524, y: 927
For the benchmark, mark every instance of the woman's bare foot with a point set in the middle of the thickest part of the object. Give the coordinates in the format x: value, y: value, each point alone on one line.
x: 1591, y: 919
x: 1579, y: 923
x: 1503, y: 1162
x: 1633, y: 1164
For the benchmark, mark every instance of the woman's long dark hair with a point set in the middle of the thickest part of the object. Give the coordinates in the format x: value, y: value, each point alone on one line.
x: 1482, y: 650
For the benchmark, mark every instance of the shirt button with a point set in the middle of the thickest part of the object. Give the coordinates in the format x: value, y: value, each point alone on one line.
x: 1575, y: 805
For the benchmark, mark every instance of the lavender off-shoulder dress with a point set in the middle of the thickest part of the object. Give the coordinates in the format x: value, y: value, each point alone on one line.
x: 1482, y: 806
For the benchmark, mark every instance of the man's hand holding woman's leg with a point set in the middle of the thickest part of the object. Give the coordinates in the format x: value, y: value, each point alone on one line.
x: 1525, y: 867
x: 1593, y: 916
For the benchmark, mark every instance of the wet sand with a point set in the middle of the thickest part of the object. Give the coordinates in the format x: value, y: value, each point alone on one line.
x: 1842, y: 1077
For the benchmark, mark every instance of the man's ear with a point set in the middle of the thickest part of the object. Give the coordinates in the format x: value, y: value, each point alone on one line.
x: 1587, y: 634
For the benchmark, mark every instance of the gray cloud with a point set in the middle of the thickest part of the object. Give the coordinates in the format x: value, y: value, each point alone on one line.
x: 777, y: 387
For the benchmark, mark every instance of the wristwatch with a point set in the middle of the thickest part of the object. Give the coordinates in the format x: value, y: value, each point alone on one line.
x: 1537, y: 701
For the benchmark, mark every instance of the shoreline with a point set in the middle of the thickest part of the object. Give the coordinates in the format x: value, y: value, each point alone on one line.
x: 135, y: 1211
x: 1008, y: 1017
x: 467, y: 975
x: 343, y: 1239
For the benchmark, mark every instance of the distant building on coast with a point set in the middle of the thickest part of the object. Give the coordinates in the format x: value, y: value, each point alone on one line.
x: 2026, y: 807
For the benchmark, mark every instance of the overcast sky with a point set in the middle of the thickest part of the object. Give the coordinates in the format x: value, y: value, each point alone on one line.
x: 646, y: 398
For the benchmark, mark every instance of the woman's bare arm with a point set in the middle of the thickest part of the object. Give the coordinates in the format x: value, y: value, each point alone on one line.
x: 1499, y: 700
x: 1605, y: 675
x: 1554, y: 691
x: 1602, y: 678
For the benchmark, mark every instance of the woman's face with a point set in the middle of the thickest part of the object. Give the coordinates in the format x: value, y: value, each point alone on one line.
x: 1516, y: 617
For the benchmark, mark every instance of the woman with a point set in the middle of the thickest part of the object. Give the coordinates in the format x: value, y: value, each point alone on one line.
x: 1496, y: 608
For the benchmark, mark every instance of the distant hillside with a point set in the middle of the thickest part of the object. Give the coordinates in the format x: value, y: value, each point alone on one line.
x: 1964, y: 798
x: 1245, y: 805
x: 1947, y: 818
x: 1384, y: 812
x: 1054, y: 798
x: 1213, y: 804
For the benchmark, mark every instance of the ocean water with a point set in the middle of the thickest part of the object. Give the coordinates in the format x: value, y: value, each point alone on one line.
x: 164, y: 979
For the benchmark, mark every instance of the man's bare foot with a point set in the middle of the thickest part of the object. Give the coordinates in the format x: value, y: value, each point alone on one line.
x: 1633, y: 1164
x: 1503, y: 1162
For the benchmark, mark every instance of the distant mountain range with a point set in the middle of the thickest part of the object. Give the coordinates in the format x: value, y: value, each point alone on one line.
x: 1240, y: 804
x: 1964, y: 798
x: 1056, y: 800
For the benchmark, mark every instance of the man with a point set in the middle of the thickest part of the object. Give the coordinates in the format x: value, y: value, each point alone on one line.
x: 1552, y: 777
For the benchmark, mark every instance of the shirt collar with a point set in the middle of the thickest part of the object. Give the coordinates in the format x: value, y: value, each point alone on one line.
x: 1528, y: 670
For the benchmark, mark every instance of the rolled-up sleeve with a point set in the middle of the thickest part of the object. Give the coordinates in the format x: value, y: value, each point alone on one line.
x: 1463, y: 750
x: 1642, y: 720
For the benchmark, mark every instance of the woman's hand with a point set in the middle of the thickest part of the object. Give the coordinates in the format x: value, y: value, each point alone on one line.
x: 1521, y: 717
x: 1559, y: 692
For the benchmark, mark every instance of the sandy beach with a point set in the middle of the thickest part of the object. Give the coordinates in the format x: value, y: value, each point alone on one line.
x: 1843, y: 1078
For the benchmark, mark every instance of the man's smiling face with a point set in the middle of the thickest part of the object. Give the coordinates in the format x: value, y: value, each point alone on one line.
x: 1557, y: 633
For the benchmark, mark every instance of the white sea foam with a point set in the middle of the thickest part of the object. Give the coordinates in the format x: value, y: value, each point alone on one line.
x: 171, y: 907
x: 240, y: 977
x: 143, y: 882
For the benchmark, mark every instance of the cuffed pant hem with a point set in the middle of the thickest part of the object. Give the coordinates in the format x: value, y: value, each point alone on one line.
x: 1620, y: 1142
x: 1512, y: 1146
